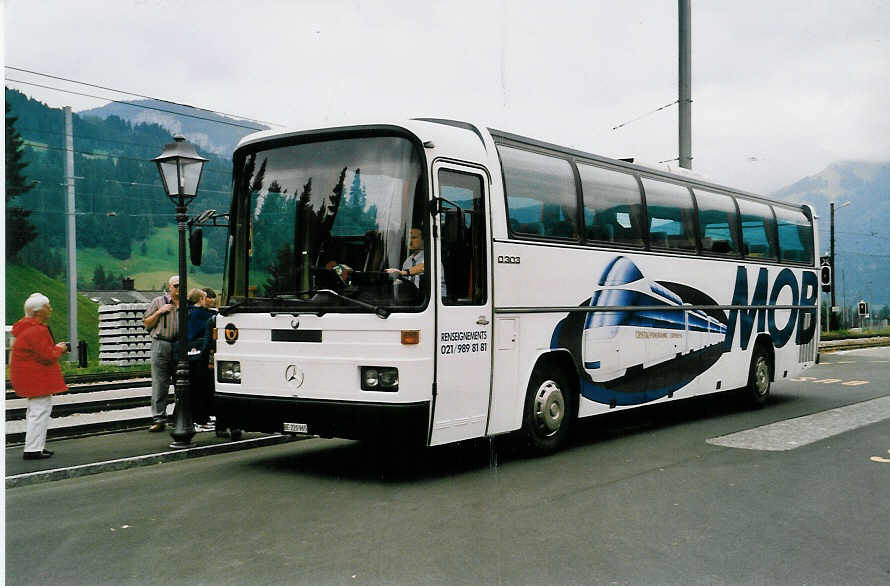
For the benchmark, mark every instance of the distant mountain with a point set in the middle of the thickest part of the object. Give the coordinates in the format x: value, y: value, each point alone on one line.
x: 862, y: 229
x: 120, y: 202
x: 212, y: 132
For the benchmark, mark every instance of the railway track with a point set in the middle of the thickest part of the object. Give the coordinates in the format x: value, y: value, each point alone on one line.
x: 92, y: 405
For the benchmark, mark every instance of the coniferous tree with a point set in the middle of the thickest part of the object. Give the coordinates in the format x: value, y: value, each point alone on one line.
x: 357, y: 194
x: 118, y: 187
x: 99, y: 277
x: 19, y: 229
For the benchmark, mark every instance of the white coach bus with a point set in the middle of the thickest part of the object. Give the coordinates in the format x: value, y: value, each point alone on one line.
x: 433, y: 281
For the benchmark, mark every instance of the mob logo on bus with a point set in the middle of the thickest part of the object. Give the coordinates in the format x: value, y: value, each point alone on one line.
x: 644, y: 338
x: 761, y: 307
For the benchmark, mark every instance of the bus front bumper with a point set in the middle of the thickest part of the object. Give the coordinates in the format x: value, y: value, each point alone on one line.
x: 343, y: 419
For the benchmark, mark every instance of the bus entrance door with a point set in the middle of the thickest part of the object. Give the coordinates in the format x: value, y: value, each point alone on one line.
x: 463, y: 305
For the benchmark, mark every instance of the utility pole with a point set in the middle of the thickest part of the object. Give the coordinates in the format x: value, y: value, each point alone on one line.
x: 71, y: 236
x: 685, y: 79
x: 831, y: 252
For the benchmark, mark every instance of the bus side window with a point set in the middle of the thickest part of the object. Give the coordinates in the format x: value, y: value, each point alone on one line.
x: 718, y: 222
x: 758, y: 229
x: 612, y: 206
x: 795, y: 232
x: 670, y: 213
x: 541, y: 196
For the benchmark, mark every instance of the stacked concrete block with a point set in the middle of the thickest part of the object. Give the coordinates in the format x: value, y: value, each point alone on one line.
x: 123, y: 340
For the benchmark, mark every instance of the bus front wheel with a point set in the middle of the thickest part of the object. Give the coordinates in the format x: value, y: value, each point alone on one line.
x: 759, y: 378
x: 548, y: 413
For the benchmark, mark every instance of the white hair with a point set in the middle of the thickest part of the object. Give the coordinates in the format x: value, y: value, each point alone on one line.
x: 34, y: 303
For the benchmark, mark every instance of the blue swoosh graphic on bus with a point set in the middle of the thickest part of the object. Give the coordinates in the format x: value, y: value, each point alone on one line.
x: 629, y: 357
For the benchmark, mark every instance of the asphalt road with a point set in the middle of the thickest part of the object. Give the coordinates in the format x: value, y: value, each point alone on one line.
x: 639, y: 497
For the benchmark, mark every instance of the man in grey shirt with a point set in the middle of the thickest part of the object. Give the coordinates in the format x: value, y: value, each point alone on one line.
x: 413, y: 266
x: 160, y: 320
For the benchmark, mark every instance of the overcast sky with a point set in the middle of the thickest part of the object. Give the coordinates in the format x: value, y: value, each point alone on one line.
x: 780, y: 88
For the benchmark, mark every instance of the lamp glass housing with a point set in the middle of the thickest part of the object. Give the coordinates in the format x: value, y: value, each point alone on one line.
x: 180, y: 167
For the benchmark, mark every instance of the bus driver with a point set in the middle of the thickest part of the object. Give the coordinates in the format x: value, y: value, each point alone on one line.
x: 412, y: 268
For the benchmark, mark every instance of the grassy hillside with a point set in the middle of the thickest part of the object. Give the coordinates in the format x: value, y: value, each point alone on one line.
x: 150, y: 270
x: 21, y: 281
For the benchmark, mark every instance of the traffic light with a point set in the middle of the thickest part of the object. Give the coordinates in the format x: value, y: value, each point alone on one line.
x: 825, y: 273
x: 863, y: 308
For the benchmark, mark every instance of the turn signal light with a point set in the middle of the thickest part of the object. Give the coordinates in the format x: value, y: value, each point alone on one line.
x: 410, y: 336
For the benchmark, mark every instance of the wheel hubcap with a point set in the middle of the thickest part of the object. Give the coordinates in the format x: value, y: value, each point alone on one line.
x: 550, y: 408
x: 761, y: 377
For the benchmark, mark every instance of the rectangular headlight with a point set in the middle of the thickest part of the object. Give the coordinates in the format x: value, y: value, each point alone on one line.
x: 228, y: 371
x: 380, y: 378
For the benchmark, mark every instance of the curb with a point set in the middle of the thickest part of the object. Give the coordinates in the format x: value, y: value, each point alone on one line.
x: 147, y: 460
x: 853, y: 343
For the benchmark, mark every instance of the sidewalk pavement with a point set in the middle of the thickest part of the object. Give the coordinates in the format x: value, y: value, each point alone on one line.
x: 119, y: 451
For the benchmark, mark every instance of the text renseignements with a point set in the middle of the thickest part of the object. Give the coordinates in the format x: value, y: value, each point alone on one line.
x: 463, y: 336
x: 467, y: 342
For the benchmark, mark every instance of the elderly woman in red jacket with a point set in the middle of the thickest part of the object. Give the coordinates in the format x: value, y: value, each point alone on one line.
x: 34, y: 371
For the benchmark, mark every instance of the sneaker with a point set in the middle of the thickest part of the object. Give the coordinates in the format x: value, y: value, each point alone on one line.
x: 37, y: 455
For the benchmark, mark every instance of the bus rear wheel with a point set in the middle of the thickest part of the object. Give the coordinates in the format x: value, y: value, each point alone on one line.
x: 759, y: 378
x: 548, y: 413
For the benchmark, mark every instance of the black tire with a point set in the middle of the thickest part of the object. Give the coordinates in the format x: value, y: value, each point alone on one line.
x: 759, y: 374
x: 548, y: 414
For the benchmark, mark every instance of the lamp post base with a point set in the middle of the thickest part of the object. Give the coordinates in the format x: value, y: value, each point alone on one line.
x: 183, y: 429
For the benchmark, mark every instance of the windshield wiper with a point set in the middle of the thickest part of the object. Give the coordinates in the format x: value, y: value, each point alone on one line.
x: 262, y: 302
x: 381, y: 312
x: 227, y: 309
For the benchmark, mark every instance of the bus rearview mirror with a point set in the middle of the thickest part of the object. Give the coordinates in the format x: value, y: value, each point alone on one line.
x: 196, y: 246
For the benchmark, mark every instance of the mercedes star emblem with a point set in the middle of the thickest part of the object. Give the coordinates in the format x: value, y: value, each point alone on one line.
x: 293, y: 376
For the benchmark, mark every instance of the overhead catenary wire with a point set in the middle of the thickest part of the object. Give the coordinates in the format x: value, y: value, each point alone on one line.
x: 874, y: 254
x: 623, y: 124
x: 38, y: 145
x: 104, y: 98
x: 129, y: 93
x: 139, y: 197
x: 109, y: 213
x: 85, y: 138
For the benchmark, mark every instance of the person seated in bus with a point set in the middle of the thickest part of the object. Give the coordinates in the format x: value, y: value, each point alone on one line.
x: 342, y: 270
x: 412, y: 268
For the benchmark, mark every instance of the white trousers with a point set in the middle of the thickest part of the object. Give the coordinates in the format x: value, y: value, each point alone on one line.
x: 37, y: 416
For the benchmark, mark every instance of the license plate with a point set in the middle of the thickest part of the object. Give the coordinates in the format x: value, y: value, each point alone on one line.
x: 296, y: 428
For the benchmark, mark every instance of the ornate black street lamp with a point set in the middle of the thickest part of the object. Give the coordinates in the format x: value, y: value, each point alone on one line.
x: 180, y: 167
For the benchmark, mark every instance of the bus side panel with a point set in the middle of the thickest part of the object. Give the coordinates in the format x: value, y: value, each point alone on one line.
x: 629, y: 358
x: 505, y: 413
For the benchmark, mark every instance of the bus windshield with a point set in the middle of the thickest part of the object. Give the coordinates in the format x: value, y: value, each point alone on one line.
x: 319, y: 223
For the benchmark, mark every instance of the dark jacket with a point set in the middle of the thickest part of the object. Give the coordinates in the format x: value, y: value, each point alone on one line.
x: 198, y: 317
